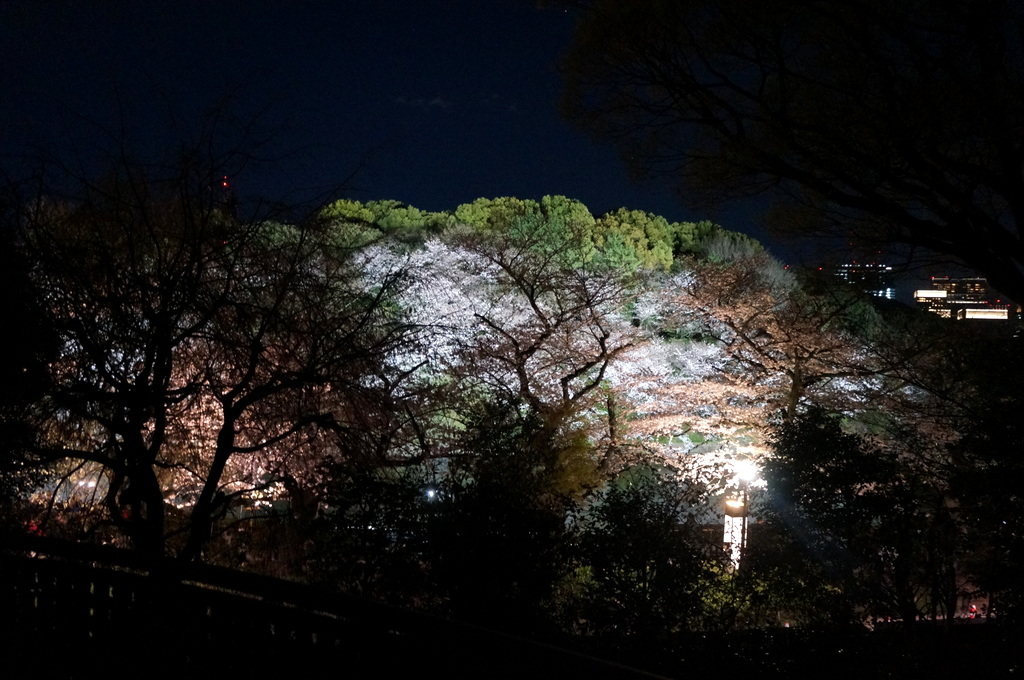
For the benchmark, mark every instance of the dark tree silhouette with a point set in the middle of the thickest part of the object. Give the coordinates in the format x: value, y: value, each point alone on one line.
x: 877, y: 516
x: 896, y: 123
x: 648, y: 556
x: 30, y: 346
x: 191, y: 346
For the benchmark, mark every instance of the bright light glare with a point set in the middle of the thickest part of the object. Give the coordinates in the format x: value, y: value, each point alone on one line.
x: 747, y: 470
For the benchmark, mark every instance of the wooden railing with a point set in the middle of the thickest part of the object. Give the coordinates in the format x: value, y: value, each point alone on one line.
x: 81, y: 611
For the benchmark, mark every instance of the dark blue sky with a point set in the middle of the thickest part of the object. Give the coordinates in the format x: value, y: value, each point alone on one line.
x: 436, y: 102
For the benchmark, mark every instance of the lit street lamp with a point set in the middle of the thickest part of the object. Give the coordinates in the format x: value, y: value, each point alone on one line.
x: 737, y: 510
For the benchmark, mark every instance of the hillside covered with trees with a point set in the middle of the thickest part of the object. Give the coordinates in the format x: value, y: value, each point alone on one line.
x: 514, y: 413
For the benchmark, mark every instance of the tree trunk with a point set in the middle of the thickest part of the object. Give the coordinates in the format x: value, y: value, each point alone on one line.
x: 201, y: 523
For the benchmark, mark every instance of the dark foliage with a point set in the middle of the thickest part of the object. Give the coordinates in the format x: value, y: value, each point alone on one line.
x: 29, y: 345
x: 647, y: 561
x: 876, y: 521
x: 989, y: 473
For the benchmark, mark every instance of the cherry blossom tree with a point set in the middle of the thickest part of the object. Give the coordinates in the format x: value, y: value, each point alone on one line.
x: 796, y: 345
x: 200, y: 358
x: 514, y: 316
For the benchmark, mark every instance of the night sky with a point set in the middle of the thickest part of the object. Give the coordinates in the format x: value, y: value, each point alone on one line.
x: 430, y: 102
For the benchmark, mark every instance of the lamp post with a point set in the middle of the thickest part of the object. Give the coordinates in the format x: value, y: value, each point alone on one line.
x: 737, y: 510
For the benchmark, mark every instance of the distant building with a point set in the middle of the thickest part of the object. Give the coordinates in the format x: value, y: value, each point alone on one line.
x: 961, y: 298
x: 984, y: 314
x: 873, y: 278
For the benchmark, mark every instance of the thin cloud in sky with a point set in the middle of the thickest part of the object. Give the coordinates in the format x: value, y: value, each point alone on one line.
x: 436, y: 102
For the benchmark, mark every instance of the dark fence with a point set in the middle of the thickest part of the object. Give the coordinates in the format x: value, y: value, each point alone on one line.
x: 80, y: 611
